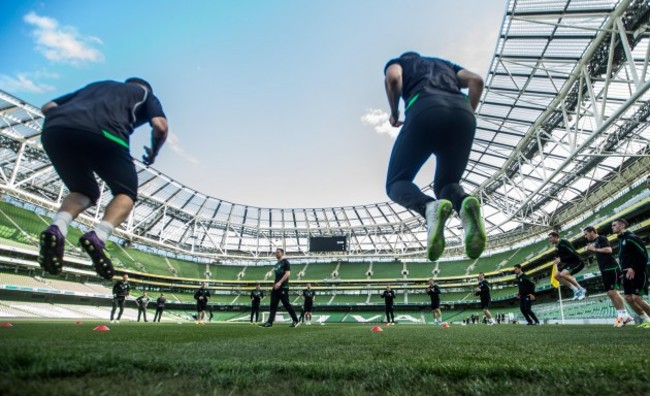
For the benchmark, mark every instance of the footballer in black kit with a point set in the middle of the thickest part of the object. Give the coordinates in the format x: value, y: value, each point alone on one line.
x: 121, y: 290
x: 257, y: 296
x: 568, y: 263
x: 201, y: 296
x: 308, y: 295
x: 483, y: 290
x: 526, y: 295
x: 160, y: 307
x: 433, y: 290
x: 280, y: 292
x: 143, y: 302
x: 389, y: 296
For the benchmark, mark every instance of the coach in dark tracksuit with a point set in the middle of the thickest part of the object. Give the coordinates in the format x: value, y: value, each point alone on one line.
x: 160, y: 307
x: 257, y: 296
x: 526, y: 295
x: 143, y: 302
x: 389, y: 296
x: 121, y: 291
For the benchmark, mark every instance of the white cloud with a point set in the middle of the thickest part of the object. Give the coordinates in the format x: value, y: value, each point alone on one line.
x: 174, y: 144
x: 63, y: 43
x: 378, y: 120
x: 24, y: 82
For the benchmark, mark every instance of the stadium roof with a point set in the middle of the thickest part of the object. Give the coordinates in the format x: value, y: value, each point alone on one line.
x: 565, y: 108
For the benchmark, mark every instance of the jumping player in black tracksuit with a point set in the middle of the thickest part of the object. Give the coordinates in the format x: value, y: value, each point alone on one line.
x: 568, y: 263
x: 439, y: 121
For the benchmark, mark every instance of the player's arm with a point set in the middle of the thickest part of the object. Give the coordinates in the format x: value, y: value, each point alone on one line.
x: 159, y: 132
x: 393, y: 84
x: 474, y: 83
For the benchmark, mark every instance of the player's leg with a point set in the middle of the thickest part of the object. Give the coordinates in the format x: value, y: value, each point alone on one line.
x: 77, y: 176
x: 452, y: 156
x: 114, y: 165
x: 114, y: 309
x: 273, y: 309
x: 120, y: 302
x: 284, y: 297
x: 413, y: 146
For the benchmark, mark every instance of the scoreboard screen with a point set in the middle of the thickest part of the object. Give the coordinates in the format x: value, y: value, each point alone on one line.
x: 328, y: 244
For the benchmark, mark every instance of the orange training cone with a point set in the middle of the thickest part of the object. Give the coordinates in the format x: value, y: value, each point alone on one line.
x: 77, y: 322
x: 445, y: 325
x: 6, y: 324
x: 101, y: 328
x: 376, y: 329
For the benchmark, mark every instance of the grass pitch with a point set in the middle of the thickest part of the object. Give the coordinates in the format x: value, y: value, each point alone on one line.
x: 50, y: 358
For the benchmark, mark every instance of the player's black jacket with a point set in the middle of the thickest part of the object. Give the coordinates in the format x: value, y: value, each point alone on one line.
x: 121, y: 288
x: 485, y: 290
x: 389, y: 296
x: 202, y: 292
x: 526, y: 285
x: 632, y: 252
x: 434, y: 292
x: 566, y: 252
x: 256, y: 296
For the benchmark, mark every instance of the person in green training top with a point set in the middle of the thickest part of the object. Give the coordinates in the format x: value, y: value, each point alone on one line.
x: 142, y: 302
x: 526, y: 295
x: 567, y: 263
x: 434, y: 293
x: 634, y: 261
x: 483, y: 290
x: 308, y: 296
x: 610, y: 272
x: 257, y: 295
x: 280, y: 290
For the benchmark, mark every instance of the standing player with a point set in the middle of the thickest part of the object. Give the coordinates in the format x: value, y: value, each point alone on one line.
x: 257, y: 296
x: 201, y: 296
x: 483, y: 290
x: 121, y: 290
x: 634, y: 260
x: 568, y: 263
x: 434, y: 293
x: 308, y: 296
x: 160, y: 307
x: 389, y: 296
x: 440, y: 121
x: 280, y: 290
x: 86, y: 133
x: 142, y: 302
x: 609, y: 271
x: 526, y: 295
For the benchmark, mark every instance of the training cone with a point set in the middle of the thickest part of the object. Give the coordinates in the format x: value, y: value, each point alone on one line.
x: 77, y: 322
x: 377, y: 329
x: 445, y: 325
x: 101, y: 328
x: 6, y: 324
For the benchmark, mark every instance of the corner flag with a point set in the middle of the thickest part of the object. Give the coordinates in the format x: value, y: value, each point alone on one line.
x: 554, y: 282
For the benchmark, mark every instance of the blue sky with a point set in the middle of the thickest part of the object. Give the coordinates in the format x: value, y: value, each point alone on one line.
x: 270, y: 103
